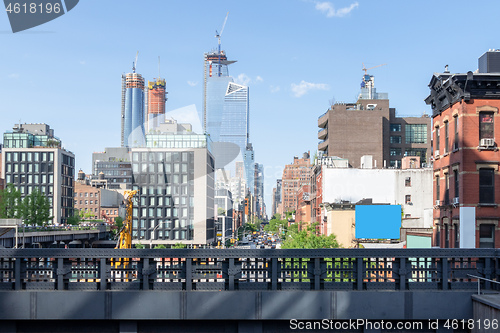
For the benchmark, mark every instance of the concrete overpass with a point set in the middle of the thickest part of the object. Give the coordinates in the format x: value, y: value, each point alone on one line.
x: 245, y: 290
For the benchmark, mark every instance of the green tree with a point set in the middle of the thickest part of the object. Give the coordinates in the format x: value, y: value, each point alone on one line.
x: 10, y: 202
x: 140, y: 246
x: 36, y: 209
x: 160, y: 246
x: 179, y: 246
x: 308, y: 239
x: 221, y: 211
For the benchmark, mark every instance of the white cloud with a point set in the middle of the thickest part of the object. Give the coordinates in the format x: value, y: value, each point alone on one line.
x: 303, y: 87
x: 243, y: 79
x: 13, y: 76
x: 274, y: 89
x: 192, y: 83
x: 328, y: 8
x: 259, y: 79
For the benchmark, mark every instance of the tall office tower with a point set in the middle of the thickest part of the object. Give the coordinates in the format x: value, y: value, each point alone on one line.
x: 225, y: 107
x: 249, y: 161
x: 156, y: 97
x: 132, y: 110
x: 34, y: 159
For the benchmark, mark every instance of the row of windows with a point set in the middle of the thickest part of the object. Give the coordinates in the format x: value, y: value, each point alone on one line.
x: 28, y: 157
x: 87, y: 194
x: 159, y: 212
x: 29, y: 167
x: 161, y: 156
x: 486, y: 235
x: 87, y: 202
x: 30, y: 179
x: 162, y: 168
x: 414, y: 133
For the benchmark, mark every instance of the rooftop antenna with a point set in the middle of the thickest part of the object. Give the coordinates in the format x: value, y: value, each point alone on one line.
x: 134, y: 64
x: 218, y: 36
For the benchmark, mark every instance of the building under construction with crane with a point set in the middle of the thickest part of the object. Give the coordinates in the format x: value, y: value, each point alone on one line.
x: 132, y: 115
x: 369, y: 127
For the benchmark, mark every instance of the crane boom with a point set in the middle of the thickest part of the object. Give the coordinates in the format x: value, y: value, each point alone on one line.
x: 367, y: 69
x: 135, y: 62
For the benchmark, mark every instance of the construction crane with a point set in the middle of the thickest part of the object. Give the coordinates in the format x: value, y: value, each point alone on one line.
x: 367, y: 69
x: 134, y: 65
x: 125, y: 236
x: 218, y: 35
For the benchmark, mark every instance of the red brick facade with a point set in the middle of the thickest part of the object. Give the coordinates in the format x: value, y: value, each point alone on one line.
x: 462, y: 153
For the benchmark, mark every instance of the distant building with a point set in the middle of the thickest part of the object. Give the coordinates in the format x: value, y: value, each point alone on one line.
x: 96, y: 202
x: 174, y: 178
x: 371, y: 127
x: 34, y: 159
x: 277, y: 198
x: 466, y: 129
x: 156, y: 97
x: 132, y: 117
x: 115, y: 166
x: 2, y: 180
x: 294, y: 177
x: 224, y: 222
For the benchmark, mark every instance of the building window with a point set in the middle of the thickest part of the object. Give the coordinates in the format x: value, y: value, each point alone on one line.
x: 446, y: 189
x: 438, y: 194
x: 395, y: 139
x: 395, y: 151
x: 486, y: 235
x: 446, y: 137
x: 455, y: 178
x: 486, y: 125
x: 455, y: 141
x: 395, y: 127
x: 437, y: 139
x: 408, y: 199
x: 446, y: 236
x: 486, y: 185
x: 416, y: 133
x: 457, y: 236
x: 408, y: 181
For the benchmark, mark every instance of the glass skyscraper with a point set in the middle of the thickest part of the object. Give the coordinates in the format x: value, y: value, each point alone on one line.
x: 133, y: 110
x: 225, y: 109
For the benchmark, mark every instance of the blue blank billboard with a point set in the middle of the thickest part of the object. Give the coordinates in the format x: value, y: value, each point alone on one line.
x: 378, y: 221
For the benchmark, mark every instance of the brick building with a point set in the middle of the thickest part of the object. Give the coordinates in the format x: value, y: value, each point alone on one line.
x: 294, y: 177
x: 370, y: 127
x: 465, y: 125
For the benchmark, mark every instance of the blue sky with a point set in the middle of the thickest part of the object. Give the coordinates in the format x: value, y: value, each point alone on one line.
x: 295, y: 55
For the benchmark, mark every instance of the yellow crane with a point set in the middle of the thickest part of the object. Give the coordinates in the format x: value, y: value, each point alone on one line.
x: 125, y: 237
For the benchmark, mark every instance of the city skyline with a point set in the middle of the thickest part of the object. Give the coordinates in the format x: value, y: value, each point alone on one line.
x: 294, y: 64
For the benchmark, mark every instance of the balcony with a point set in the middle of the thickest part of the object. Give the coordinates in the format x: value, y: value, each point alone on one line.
x: 322, y: 133
x: 323, y: 145
x: 323, y: 120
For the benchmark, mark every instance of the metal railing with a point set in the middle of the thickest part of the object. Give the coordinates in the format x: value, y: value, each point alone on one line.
x: 244, y: 269
x: 479, y: 282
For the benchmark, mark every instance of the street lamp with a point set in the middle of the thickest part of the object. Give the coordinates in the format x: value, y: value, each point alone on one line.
x: 152, y: 233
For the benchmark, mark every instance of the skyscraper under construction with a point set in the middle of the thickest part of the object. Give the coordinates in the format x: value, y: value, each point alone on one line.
x: 132, y: 110
x: 156, y: 98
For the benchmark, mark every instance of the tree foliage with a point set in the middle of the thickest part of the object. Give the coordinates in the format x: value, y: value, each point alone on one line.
x: 308, y: 239
x: 179, y: 246
x: 276, y: 224
x: 10, y: 202
x: 35, y: 209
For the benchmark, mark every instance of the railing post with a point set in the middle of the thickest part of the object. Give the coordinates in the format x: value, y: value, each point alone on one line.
x: 317, y: 274
x: 60, y: 273
x: 402, y: 273
x: 359, y: 273
x: 230, y: 273
x: 17, y: 273
x: 103, y: 274
x: 444, y: 273
x: 145, y: 273
x: 274, y: 273
x: 487, y: 273
x: 189, y: 274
